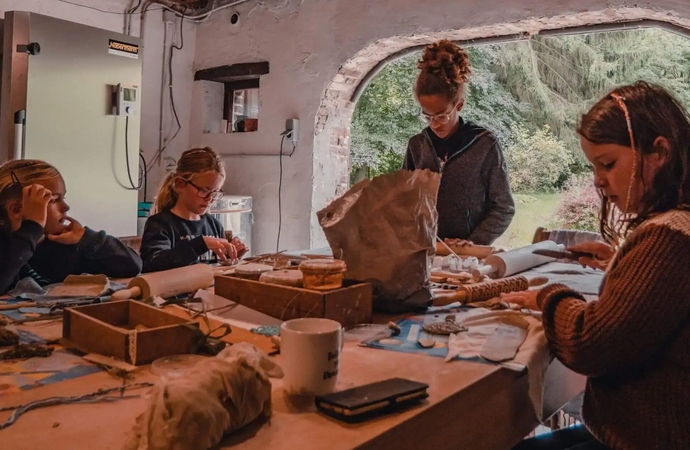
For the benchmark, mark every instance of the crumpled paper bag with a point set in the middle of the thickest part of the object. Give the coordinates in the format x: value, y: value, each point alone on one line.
x: 217, y: 396
x: 385, y: 231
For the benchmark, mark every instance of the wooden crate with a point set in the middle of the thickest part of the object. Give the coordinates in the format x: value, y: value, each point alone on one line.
x: 107, y: 328
x: 350, y: 305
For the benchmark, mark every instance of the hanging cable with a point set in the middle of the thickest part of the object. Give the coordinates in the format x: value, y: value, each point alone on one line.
x: 144, y: 174
x: 129, y: 172
x: 280, y: 187
x: 173, y: 47
x: 104, y: 11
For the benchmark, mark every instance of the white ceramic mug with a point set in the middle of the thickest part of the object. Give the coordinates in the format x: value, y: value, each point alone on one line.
x: 310, y: 355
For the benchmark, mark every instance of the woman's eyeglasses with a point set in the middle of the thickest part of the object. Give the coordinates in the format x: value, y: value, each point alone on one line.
x: 443, y: 118
x: 205, y: 193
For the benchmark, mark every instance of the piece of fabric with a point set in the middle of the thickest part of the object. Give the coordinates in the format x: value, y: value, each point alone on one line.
x: 633, y: 344
x: 170, y: 241
x: 474, y: 198
x: 217, y: 396
x: 532, y: 354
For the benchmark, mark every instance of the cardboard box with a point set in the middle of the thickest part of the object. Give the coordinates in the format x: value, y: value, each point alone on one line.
x: 350, y: 305
x: 110, y: 329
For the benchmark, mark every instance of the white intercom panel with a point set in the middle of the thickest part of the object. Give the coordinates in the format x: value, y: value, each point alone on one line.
x: 125, y: 100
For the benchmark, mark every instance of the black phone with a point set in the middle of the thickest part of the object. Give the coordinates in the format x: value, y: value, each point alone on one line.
x: 371, y: 400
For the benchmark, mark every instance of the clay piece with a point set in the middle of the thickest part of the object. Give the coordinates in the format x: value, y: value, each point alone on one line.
x: 395, y: 329
x: 25, y: 351
x: 426, y: 343
x: 8, y: 337
x: 449, y: 326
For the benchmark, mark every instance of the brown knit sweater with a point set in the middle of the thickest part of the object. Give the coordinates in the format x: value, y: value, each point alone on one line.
x: 633, y: 344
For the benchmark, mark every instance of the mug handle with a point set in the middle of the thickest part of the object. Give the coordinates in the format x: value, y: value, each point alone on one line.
x: 342, y: 338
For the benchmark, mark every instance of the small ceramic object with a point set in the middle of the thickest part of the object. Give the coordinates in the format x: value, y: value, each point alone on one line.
x: 323, y: 274
x: 449, y: 326
x: 426, y: 342
x: 252, y: 271
x: 395, y: 329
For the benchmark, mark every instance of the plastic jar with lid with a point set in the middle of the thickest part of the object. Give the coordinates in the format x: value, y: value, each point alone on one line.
x: 323, y: 274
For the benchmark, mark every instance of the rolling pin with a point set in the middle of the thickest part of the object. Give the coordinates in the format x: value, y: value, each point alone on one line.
x: 509, y: 263
x: 487, y: 290
x: 478, y: 251
x: 167, y: 283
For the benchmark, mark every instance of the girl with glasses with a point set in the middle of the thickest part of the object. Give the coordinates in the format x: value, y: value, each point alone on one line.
x: 633, y: 343
x: 474, y: 200
x: 181, y: 232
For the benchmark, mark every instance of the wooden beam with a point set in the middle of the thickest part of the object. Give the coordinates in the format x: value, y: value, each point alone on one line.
x: 233, y: 72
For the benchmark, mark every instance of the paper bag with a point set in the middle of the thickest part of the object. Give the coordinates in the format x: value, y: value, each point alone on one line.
x: 385, y: 230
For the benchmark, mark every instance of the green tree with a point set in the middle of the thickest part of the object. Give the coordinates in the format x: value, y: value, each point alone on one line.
x: 537, y: 160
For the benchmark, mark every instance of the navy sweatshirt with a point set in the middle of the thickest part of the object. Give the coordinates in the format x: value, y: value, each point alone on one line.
x: 170, y: 241
x: 474, y: 199
x: 95, y: 253
x: 16, y: 248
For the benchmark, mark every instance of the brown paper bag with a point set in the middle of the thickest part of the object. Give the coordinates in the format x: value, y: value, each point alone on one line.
x: 385, y: 231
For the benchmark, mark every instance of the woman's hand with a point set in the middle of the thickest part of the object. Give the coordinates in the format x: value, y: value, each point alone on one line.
x: 525, y: 299
x: 35, y: 199
x: 72, y: 234
x: 458, y: 243
x: 240, y: 247
x: 601, y: 254
x: 221, y: 247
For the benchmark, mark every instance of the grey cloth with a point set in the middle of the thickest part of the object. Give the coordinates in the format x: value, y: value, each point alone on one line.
x: 474, y: 198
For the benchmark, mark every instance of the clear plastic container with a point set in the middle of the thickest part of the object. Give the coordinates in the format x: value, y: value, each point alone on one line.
x: 175, y: 365
x: 323, y: 274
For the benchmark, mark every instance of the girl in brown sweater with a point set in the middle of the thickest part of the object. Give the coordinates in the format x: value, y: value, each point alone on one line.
x: 633, y: 344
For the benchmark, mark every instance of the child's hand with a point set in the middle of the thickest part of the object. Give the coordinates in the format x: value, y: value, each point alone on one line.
x: 72, y: 234
x: 601, y: 254
x: 239, y: 246
x: 526, y: 299
x: 35, y: 199
x: 221, y: 247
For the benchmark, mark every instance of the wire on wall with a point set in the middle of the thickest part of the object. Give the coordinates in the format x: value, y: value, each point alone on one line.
x: 129, y: 172
x: 171, y: 92
x: 104, y: 11
x: 280, y: 188
x: 199, y: 17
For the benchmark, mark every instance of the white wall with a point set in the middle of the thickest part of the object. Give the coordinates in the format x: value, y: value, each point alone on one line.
x: 306, y: 43
x: 153, y: 65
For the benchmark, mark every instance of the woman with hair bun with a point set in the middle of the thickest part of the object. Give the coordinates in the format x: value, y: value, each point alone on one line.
x: 474, y: 201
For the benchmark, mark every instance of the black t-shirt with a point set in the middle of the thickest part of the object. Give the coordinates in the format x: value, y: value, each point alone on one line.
x: 170, y: 241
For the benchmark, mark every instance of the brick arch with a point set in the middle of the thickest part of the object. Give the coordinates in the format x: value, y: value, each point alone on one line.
x: 331, y: 149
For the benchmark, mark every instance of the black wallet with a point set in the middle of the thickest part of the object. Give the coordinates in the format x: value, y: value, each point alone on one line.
x: 374, y: 399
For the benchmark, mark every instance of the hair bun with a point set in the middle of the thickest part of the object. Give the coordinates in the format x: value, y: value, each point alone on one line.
x: 446, y: 60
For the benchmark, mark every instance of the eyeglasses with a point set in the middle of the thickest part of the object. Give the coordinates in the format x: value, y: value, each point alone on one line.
x: 205, y: 193
x: 443, y: 118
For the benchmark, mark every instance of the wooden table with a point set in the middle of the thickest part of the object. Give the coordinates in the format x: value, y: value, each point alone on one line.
x: 470, y: 406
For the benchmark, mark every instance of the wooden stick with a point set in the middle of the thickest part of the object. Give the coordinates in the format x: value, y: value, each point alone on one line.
x: 447, y: 247
x: 11, y: 306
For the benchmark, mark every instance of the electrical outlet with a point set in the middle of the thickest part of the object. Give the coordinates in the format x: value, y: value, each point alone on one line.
x: 292, y: 125
x: 169, y: 16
